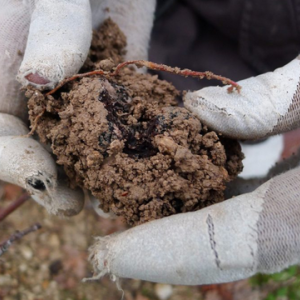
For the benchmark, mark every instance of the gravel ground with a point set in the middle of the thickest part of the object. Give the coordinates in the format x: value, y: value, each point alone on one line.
x: 49, y: 264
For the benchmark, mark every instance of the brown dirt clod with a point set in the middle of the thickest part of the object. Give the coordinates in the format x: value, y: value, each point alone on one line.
x: 128, y: 142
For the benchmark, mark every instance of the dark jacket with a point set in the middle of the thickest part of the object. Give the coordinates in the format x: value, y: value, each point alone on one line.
x: 234, y: 38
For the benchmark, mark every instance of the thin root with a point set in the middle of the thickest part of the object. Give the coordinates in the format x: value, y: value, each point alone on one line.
x: 35, y: 124
x: 153, y: 66
x: 62, y: 83
x: 185, y: 72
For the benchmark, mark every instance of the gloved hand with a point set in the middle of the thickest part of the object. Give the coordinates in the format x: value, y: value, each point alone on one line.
x: 254, y: 232
x: 42, y: 42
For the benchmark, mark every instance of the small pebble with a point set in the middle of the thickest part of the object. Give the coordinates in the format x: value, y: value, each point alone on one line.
x: 26, y: 252
x: 163, y: 291
x: 37, y: 289
x: 23, y: 267
x: 55, y: 267
x: 54, y: 240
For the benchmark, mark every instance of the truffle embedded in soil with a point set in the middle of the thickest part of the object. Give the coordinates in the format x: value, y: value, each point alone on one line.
x: 129, y: 143
x: 142, y: 158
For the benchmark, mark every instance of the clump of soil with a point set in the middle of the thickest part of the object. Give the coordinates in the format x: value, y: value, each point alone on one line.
x: 128, y: 142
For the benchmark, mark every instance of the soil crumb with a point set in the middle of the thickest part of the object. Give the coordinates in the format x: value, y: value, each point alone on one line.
x: 127, y: 141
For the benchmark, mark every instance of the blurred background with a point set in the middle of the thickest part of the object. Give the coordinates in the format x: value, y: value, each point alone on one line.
x: 234, y: 38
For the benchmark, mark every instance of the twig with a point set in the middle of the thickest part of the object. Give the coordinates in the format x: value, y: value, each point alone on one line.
x: 17, y: 236
x: 13, y: 206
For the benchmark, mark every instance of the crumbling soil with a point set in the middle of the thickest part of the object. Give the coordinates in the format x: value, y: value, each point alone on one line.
x: 126, y: 140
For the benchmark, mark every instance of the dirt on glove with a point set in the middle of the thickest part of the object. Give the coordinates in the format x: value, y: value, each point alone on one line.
x: 127, y: 141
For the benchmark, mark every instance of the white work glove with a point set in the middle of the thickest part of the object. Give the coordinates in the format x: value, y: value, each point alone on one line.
x: 254, y: 232
x: 41, y: 43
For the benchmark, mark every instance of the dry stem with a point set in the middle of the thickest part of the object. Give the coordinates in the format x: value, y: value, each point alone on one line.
x: 17, y: 236
x: 13, y: 206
